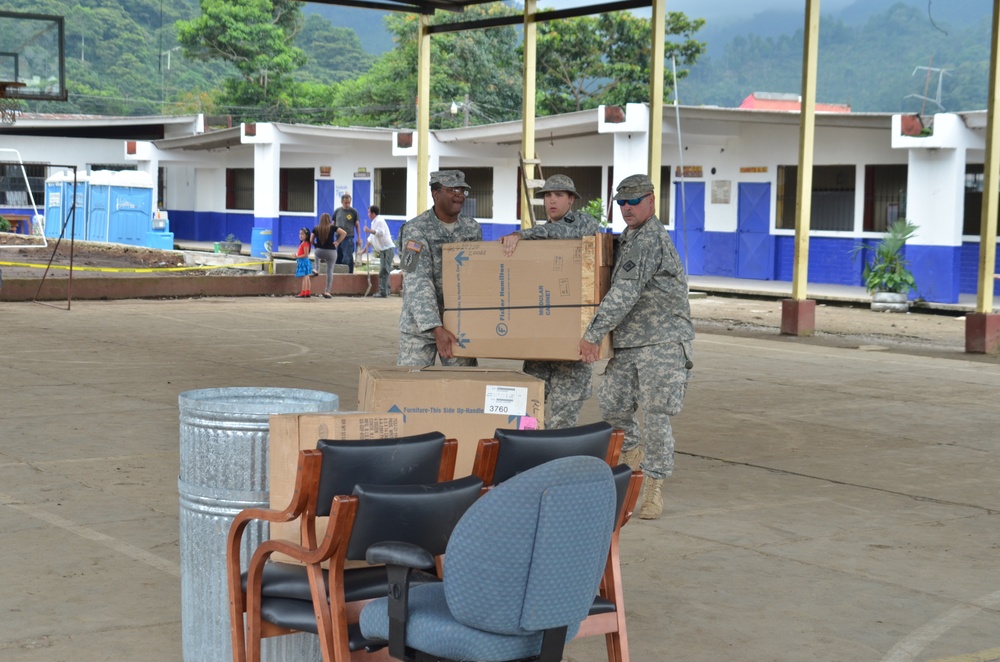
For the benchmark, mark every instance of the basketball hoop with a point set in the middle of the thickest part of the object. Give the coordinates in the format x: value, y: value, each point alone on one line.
x: 9, y: 104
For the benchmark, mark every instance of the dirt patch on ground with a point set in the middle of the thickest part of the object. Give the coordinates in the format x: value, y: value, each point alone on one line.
x: 857, y: 326
x: 85, y: 255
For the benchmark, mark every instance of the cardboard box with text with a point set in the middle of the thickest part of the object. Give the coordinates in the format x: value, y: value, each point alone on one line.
x: 534, y: 304
x: 467, y: 404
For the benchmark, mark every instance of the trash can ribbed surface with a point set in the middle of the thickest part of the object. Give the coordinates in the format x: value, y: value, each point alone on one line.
x: 224, y: 434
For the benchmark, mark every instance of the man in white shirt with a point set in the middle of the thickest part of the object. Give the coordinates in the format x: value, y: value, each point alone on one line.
x: 380, y: 239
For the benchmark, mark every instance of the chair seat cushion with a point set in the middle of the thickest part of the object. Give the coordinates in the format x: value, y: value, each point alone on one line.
x: 289, y: 580
x: 432, y: 629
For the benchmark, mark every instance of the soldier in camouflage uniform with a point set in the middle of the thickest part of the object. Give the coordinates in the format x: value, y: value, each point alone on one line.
x: 568, y: 384
x: 421, y: 334
x: 649, y: 318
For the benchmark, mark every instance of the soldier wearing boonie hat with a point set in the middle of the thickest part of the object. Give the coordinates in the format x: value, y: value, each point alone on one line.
x: 422, y: 336
x: 647, y: 313
x: 568, y: 384
x: 634, y: 186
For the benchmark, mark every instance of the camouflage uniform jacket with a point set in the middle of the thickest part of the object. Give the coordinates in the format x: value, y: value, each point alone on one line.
x: 573, y: 225
x: 423, y: 296
x: 647, y: 303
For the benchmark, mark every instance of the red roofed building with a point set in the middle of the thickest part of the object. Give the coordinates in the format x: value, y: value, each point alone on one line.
x: 779, y: 101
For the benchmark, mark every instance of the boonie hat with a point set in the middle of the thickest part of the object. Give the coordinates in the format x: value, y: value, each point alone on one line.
x: 634, y: 186
x: 449, y: 179
x: 559, y: 183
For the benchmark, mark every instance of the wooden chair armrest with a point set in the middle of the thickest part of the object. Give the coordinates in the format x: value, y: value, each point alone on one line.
x: 485, y: 464
x: 615, y: 447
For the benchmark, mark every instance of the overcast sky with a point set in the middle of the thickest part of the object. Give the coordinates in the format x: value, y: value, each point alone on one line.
x: 724, y: 8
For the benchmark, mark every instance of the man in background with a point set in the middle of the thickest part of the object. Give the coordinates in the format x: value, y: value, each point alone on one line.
x: 346, y: 218
x: 380, y: 239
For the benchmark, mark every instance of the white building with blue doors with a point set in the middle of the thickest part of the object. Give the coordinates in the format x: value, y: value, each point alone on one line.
x: 727, y: 193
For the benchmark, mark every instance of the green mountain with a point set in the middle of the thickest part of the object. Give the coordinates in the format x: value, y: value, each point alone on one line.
x: 123, y: 58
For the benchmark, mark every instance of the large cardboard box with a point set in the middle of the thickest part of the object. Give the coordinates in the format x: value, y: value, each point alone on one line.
x: 290, y: 433
x: 467, y: 404
x: 535, y: 304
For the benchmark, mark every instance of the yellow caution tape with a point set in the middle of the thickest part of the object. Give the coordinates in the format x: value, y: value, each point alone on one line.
x: 136, y: 270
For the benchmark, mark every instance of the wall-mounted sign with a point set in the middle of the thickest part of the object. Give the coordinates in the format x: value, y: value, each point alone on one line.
x: 721, y: 190
x: 748, y: 169
x: 689, y: 171
x: 324, y: 171
x: 362, y: 173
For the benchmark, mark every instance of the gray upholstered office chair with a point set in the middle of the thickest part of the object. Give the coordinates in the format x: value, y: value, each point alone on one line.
x: 520, y: 572
x: 510, y: 452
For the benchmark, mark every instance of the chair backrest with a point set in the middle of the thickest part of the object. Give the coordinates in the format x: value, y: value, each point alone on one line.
x: 623, y: 476
x: 529, y: 554
x: 423, y: 515
x: 521, y: 450
x: 412, y: 460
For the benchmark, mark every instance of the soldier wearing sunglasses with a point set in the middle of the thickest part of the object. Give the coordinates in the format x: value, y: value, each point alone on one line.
x: 646, y: 311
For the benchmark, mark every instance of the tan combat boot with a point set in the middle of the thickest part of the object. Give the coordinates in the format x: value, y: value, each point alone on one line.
x: 652, y: 505
x: 632, y: 457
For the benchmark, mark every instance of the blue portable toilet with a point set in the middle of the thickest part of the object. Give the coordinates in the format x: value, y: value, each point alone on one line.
x: 98, y: 204
x: 130, y: 208
x: 59, y: 201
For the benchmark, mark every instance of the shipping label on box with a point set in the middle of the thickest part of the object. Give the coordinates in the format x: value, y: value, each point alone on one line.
x: 290, y: 433
x: 467, y: 404
x: 534, y: 304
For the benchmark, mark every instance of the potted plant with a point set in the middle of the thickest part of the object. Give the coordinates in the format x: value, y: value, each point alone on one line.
x: 231, y: 246
x: 886, y: 274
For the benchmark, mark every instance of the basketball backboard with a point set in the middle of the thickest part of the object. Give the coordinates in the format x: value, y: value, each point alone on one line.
x: 33, y: 56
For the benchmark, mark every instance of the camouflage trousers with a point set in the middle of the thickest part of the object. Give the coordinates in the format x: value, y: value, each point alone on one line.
x: 568, y: 384
x: 420, y: 350
x: 653, y: 378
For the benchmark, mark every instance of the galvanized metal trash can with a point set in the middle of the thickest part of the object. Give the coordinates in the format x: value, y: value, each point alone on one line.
x: 224, y: 435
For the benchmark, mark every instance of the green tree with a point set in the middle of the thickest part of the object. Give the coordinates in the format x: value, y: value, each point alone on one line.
x: 592, y: 60
x: 334, y: 53
x: 483, y: 64
x: 256, y: 36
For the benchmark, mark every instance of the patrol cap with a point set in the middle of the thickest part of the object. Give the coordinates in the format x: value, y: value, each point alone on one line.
x: 634, y: 186
x: 559, y: 183
x: 449, y: 179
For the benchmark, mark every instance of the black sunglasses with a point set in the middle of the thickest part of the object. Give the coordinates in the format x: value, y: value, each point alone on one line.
x: 633, y: 202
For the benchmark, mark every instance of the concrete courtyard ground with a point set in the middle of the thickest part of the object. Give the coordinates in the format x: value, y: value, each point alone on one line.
x: 835, y: 497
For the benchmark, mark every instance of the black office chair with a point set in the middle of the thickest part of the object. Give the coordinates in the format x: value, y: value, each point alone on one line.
x: 331, y: 471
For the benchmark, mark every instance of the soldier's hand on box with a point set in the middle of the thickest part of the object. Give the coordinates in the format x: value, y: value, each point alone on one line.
x: 589, y: 352
x: 509, y: 242
x: 444, y: 339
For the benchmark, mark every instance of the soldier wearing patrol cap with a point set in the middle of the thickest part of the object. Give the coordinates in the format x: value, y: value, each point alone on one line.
x: 646, y: 311
x: 568, y: 384
x: 422, y: 336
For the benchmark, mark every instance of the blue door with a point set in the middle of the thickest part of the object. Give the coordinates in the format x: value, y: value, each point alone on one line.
x: 361, y: 196
x: 689, y: 222
x: 754, y: 244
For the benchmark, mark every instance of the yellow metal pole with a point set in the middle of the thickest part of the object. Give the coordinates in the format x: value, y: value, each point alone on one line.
x: 423, y: 110
x: 807, y: 133
x: 528, y: 106
x: 991, y: 179
x: 656, y: 66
